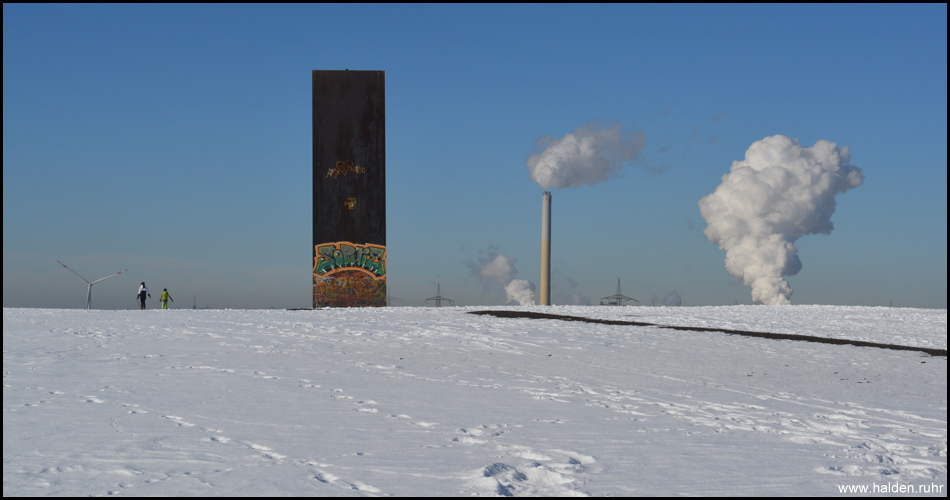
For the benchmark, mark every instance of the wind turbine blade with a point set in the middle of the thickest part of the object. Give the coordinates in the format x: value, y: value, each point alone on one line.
x: 109, y: 276
x: 74, y: 272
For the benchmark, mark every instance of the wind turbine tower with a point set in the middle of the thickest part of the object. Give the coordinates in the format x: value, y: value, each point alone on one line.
x: 89, y: 287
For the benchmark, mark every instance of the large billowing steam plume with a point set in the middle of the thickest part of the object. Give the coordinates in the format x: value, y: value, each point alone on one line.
x: 780, y: 192
x: 588, y: 155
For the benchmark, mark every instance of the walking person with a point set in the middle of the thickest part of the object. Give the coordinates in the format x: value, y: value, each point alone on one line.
x: 143, y: 291
x: 164, y: 297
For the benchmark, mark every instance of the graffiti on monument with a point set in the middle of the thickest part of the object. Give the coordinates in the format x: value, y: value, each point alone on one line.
x: 348, y: 288
x: 335, y: 257
x: 346, y: 167
x: 349, y: 275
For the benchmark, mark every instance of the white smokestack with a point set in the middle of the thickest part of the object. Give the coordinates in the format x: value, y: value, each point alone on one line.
x: 780, y: 192
x: 545, y: 249
x: 588, y: 155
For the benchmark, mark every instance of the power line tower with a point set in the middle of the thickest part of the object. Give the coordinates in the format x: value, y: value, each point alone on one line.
x: 617, y: 299
x: 439, y: 299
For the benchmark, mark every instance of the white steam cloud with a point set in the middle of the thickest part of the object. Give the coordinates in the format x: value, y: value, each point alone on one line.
x: 498, y: 267
x: 501, y: 268
x: 520, y: 291
x: 780, y: 192
x: 588, y: 155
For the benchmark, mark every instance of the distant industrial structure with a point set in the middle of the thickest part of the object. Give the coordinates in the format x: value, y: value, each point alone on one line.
x: 439, y: 299
x: 89, y: 287
x: 545, y: 298
x: 617, y: 299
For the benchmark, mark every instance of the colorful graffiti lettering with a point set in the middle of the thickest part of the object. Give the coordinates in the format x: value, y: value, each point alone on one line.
x: 348, y: 288
x: 334, y: 257
x: 345, y: 168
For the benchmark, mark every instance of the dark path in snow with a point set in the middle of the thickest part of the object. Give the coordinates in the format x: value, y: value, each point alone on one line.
x: 764, y: 335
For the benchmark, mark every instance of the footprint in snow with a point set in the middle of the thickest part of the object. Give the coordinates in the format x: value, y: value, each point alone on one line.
x: 330, y: 479
x: 266, y: 452
x: 178, y: 420
x: 366, y: 406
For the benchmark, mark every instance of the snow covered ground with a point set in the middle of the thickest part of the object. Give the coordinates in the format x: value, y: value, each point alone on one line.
x: 438, y: 401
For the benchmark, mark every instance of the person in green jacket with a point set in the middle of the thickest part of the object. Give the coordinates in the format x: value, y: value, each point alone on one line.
x: 164, y: 297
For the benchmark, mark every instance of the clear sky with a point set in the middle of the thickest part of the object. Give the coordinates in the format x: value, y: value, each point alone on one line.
x: 175, y: 141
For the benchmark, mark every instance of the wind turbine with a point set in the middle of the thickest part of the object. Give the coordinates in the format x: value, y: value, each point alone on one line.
x: 89, y: 288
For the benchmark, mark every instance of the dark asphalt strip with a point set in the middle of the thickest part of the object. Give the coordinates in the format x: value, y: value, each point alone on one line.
x: 764, y: 335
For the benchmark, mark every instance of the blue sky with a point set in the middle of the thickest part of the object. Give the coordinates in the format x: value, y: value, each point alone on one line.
x: 175, y: 141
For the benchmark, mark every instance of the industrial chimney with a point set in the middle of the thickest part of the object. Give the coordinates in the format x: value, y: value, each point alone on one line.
x: 546, y: 249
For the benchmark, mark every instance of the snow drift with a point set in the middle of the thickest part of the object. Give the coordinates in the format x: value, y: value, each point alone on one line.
x: 439, y: 402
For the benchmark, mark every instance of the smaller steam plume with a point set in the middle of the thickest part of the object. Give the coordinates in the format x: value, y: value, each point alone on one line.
x: 588, y: 155
x: 780, y: 192
x: 520, y: 291
x: 498, y: 267
x: 501, y: 269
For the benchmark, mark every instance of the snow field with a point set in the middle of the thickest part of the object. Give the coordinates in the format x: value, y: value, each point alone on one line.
x: 426, y: 401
